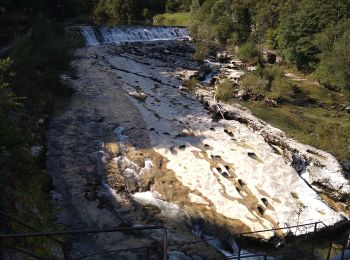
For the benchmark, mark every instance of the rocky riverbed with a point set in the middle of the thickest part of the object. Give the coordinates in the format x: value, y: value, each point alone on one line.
x: 134, y: 147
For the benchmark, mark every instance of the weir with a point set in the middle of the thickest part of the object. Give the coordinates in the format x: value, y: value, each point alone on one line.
x: 95, y: 35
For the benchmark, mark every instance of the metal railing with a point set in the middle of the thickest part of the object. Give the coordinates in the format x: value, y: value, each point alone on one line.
x: 238, y: 238
x: 67, y: 254
x: 4, y: 237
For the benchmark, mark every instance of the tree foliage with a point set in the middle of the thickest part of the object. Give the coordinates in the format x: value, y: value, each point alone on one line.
x: 310, y: 34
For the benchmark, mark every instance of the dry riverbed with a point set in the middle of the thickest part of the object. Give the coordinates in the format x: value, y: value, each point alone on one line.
x: 132, y: 147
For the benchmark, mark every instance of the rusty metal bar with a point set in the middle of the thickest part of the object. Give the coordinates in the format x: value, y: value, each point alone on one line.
x: 113, y: 252
x: 246, y: 233
x: 239, y: 246
x: 30, y: 227
x: 329, y: 251
x: 19, y: 250
x: 1, y: 250
x: 275, y: 229
x: 79, y: 232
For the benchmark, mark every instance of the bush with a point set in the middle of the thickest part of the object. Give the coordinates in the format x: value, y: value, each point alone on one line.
x: 255, y: 83
x: 37, y: 63
x: 190, y: 84
x: 269, y: 81
x: 202, y: 51
x: 224, y: 90
x: 334, y: 68
x: 281, y: 88
x: 7, y: 97
x: 249, y: 52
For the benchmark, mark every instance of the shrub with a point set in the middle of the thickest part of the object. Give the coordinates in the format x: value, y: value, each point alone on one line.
x: 7, y: 97
x: 255, y: 83
x: 202, y: 51
x: 334, y: 68
x: 224, y: 90
x: 249, y: 52
x: 281, y: 88
x: 190, y: 84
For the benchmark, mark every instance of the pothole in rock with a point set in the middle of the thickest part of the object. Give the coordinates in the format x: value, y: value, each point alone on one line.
x: 254, y: 156
x: 228, y: 132
x: 216, y: 157
x: 206, y: 146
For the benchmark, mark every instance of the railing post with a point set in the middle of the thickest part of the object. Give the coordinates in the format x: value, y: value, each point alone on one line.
x: 315, y: 228
x: 329, y: 251
x: 65, y: 251
x: 148, y: 253
x: 2, y: 252
x: 343, y: 250
x: 313, y: 242
x: 165, y: 243
x: 239, y: 247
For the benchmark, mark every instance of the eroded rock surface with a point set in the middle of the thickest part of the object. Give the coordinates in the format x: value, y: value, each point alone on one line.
x: 133, y: 147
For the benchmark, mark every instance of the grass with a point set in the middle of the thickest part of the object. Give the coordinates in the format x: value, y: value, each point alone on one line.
x: 190, y: 84
x: 175, y: 19
x: 224, y: 90
x: 322, y: 127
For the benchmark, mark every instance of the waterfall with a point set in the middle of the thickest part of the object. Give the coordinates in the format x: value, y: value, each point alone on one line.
x: 98, y: 35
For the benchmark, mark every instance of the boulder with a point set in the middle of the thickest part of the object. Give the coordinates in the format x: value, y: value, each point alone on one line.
x: 201, y: 74
x: 223, y: 57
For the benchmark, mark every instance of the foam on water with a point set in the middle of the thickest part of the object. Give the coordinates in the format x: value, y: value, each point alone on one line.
x: 98, y: 35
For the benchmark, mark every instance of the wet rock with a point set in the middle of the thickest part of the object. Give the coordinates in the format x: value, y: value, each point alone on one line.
x: 91, y: 195
x: 242, y: 94
x: 271, y: 102
x: 138, y: 95
x: 324, y: 172
x: 269, y: 56
x: 201, y: 74
x: 36, y: 150
x: 223, y: 57
x: 346, y: 166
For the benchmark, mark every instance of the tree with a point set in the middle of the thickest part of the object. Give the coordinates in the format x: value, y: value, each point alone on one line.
x: 334, y: 68
x: 299, y: 25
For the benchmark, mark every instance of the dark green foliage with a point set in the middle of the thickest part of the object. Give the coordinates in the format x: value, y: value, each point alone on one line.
x: 128, y: 10
x: 333, y: 70
x: 225, y: 21
x: 296, y: 31
x: 269, y: 81
x: 310, y: 35
x: 173, y: 6
x: 36, y: 63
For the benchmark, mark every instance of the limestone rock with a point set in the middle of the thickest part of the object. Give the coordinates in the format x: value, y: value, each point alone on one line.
x: 138, y: 95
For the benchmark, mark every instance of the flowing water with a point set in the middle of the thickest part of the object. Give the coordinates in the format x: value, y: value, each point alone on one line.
x: 95, y: 35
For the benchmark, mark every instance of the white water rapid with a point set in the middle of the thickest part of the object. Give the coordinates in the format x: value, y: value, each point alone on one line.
x: 98, y: 35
